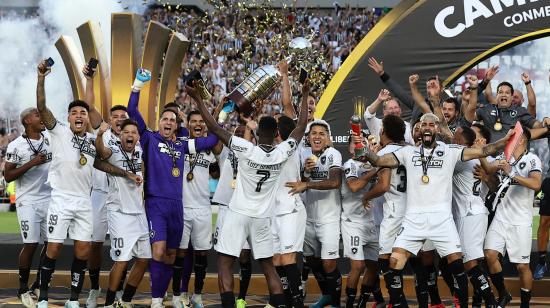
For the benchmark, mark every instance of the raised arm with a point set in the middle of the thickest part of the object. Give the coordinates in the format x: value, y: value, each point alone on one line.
x: 95, y: 117
x: 488, y: 150
x: 103, y: 152
x: 417, y: 96
x: 471, y: 104
x: 380, y: 99
x: 211, y: 123
x: 286, y: 94
x: 395, y: 88
x: 531, y: 97
x: 142, y: 76
x: 298, y: 132
x: 356, y: 184
x: 45, y: 114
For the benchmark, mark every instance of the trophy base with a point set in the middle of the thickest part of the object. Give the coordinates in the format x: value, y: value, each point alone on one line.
x: 241, y: 104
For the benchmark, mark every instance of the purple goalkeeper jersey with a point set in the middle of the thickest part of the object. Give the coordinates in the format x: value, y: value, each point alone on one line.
x: 161, y: 156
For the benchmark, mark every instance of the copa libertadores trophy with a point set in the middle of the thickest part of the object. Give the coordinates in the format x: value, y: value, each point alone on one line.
x: 261, y: 83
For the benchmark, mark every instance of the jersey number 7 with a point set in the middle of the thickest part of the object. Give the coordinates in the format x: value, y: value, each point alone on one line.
x: 266, y: 174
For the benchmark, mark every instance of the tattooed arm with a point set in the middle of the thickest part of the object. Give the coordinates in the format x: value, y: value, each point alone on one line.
x: 46, y: 115
x: 488, y: 150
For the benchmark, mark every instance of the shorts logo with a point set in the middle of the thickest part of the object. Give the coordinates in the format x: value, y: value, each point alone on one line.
x: 50, y: 229
x: 25, y: 235
x: 522, y: 165
x: 332, y: 253
x: 524, y: 257
x: 354, y: 250
x: 152, y: 233
x: 117, y: 252
x: 288, y: 247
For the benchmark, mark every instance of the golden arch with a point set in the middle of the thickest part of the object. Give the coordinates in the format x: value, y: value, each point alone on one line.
x: 410, y: 14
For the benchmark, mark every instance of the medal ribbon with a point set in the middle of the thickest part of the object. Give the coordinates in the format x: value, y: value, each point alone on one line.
x: 33, y: 149
x: 128, y: 160
x: 425, y: 160
x: 81, y: 145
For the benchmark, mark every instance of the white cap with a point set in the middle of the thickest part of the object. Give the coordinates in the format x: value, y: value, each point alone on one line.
x: 318, y: 122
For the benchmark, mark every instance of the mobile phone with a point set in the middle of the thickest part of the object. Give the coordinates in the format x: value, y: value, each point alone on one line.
x: 303, y: 75
x: 50, y: 62
x: 92, y: 64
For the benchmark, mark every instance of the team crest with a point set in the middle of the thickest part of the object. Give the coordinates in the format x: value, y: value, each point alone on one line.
x: 117, y: 252
x: 323, y: 160
x: 50, y: 229
x: 439, y: 153
x: 522, y: 165
x: 25, y: 234
x: 354, y: 250
x: 348, y: 171
x: 292, y: 144
x: 513, y: 113
x: 47, y: 141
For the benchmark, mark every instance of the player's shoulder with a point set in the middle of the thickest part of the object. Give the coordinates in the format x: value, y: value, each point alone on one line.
x: 16, y: 142
x: 390, y: 148
x: 332, y: 151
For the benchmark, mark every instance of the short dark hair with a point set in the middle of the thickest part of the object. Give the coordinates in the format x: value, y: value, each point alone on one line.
x: 483, y: 131
x: 394, y: 128
x: 78, y: 103
x: 469, y: 135
x: 505, y: 83
x: 192, y: 113
x: 118, y: 107
x: 128, y: 122
x: 286, y: 126
x: 452, y: 100
x: 267, y: 127
x: 172, y: 105
x: 170, y: 110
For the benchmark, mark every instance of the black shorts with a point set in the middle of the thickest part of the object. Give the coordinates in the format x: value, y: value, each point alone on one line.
x: 544, y: 209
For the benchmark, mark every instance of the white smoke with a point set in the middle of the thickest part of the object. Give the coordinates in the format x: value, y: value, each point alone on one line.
x: 24, y: 41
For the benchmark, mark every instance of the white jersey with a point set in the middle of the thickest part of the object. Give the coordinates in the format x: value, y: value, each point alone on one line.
x: 67, y: 175
x: 352, y: 202
x: 228, y: 168
x: 258, y: 176
x: 467, y: 198
x: 285, y: 202
x: 323, y: 206
x: 124, y: 195
x: 395, y: 199
x: 31, y: 186
x: 196, y: 193
x: 440, y: 170
x: 99, y: 178
x: 515, y: 202
x: 374, y: 124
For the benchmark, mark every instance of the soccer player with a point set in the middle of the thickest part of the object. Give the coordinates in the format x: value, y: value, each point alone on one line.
x: 289, y: 222
x: 321, y: 181
x: 27, y: 163
x: 359, y: 231
x: 224, y: 191
x: 471, y: 215
x: 126, y: 215
x: 250, y: 208
x: 429, y: 170
x: 197, y: 222
x: 70, y: 177
x: 163, y: 158
x: 510, y: 230
x: 100, y: 186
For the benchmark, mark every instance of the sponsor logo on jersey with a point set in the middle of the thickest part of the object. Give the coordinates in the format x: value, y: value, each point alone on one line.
x: 434, y: 163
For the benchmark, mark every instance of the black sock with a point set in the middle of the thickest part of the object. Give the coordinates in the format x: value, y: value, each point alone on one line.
x: 305, y: 270
x: 376, y: 292
x: 284, y: 281
x: 420, y: 282
x: 364, y: 297
x: 542, y: 257
x: 78, y: 271
x: 433, y: 291
x: 334, y: 286
x: 350, y: 297
x: 129, y: 292
x: 110, y: 297
x: 498, y: 282
x: 447, y: 275
x: 244, y: 277
x: 477, y: 300
x: 228, y: 300
x: 201, y: 262
x: 177, y: 272
x: 457, y: 270
x: 481, y: 285
x: 319, y: 274
x: 395, y: 283
x: 525, y: 298
x: 384, y: 265
x: 277, y: 300
x: 295, y: 285
x: 122, y: 278
x: 46, y: 272
x: 94, y: 278
x: 23, y: 280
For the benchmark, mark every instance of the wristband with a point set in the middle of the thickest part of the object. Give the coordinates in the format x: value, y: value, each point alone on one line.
x: 307, y: 174
x: 528, y: 83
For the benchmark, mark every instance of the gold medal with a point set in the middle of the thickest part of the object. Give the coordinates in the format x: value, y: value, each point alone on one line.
x: 175, y: 172
x: 190, y: 177
x: 82, y: 160
x: 233, y: 183
x: 498, y: 126
x: 425, y: 179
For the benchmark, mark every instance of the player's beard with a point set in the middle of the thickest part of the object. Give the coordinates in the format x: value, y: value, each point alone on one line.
x: 428, y: 143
